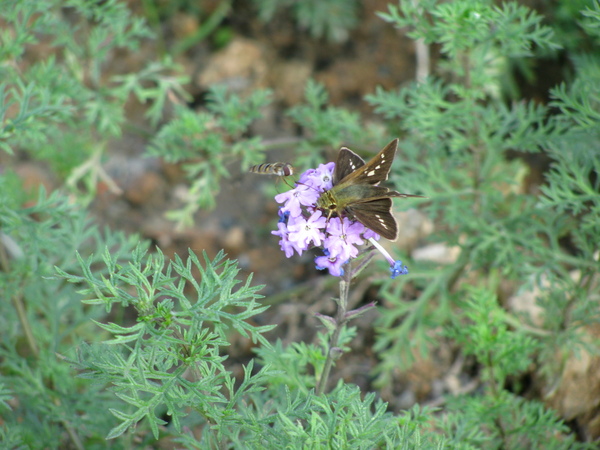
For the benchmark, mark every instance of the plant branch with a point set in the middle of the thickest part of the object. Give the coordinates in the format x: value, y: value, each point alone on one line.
x: 333, y: 352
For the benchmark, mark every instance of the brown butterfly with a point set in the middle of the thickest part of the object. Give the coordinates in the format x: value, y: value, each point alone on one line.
x: 277, y: 168
x: 355, y: 192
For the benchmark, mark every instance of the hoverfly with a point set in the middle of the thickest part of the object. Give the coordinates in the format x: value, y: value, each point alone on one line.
x: 277, y: 168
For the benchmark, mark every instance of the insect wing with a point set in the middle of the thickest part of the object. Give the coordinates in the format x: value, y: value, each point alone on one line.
x: 399, y: 195
x: 377, y: 216
x: 360, y: 193
x: 376, y: 170
x: 347, y: 162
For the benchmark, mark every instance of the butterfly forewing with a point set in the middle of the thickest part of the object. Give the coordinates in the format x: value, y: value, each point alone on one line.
x: 347, y: 162
x: 399, y: 195
x: 356, y: 193
x: 376, y: 170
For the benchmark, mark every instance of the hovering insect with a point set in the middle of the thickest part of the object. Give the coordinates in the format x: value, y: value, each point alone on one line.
x: 277, y: 168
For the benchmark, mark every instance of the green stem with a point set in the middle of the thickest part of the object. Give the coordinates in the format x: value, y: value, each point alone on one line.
x: 17, y: 298
x: 340, y: 322
x: 207, y: 27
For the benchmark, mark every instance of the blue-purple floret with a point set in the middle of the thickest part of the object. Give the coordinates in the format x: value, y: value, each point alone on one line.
x: 398, y: 269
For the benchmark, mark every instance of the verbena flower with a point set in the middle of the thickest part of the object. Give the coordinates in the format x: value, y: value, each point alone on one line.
x: 302, y: 225
x: 396, y: 267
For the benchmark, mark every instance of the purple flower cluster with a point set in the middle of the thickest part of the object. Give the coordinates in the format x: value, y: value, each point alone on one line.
x: 302, y: 225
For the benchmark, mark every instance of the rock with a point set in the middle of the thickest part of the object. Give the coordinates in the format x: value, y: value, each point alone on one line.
x: 241, y: 66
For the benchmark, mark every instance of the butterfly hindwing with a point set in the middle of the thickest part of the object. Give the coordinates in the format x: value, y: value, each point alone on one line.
x: 377, y: 216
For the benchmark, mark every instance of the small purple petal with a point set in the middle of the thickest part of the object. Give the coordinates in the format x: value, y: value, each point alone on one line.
x: 304, y: 231
x: 371, y: 234
x: 320, y: 178
x: 331, y: 263
x: 294, y: 199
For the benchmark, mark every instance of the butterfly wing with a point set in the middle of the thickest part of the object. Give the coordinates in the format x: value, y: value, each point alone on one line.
x: 371, y: 206
x: 356, y: 193
x: 376, y: 170
x: 377, y: 216
x: 347, y: 162
x: 399, y: 195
